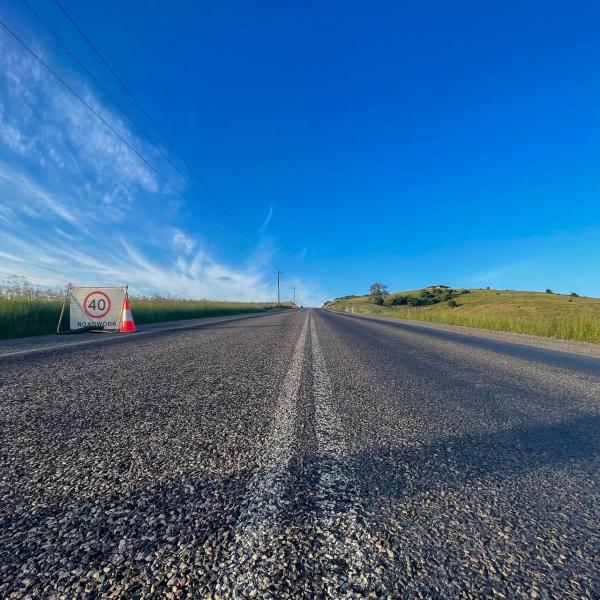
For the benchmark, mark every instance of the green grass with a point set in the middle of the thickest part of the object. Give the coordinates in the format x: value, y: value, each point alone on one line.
x: 156, y: 310
x: 24, y: 314
x: 536, y: 313
x: 26, y: 311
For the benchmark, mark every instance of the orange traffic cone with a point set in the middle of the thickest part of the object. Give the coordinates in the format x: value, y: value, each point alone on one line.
x: 127, y: 324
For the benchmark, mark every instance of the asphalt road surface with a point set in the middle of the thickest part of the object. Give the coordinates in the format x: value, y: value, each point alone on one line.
x: 298, y: 455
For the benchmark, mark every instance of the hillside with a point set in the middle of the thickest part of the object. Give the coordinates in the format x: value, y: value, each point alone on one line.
x: 537, y: 313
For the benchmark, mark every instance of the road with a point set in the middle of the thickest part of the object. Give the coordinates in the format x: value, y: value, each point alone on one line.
x: 299, y: 454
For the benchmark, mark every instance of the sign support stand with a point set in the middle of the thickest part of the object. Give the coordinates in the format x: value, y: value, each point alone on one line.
x: 62, y: 310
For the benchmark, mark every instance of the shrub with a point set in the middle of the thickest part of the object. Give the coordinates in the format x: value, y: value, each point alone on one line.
x: 549, y: 291
x: 379, y: 300
x: 414, y: 301
x: 574, y: 294
x: 427, y: 297
x: 452, y: 303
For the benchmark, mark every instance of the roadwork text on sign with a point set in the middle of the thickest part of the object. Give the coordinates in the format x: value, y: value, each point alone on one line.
x: 96, y: 307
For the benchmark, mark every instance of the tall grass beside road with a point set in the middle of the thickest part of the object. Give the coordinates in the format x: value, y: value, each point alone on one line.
x: 561, y: 316
x: 157, y: 309
x: 26, y: 310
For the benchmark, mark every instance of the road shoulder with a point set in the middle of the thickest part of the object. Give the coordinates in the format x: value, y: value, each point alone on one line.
x: 41, y: 343
x: 584, y: 348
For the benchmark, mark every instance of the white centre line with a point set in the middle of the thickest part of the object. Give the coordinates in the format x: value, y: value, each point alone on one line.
x: 265, y: 499
x: 346, y: 546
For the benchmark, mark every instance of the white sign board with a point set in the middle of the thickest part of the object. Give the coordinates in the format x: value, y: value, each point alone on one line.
x: 96, y: 306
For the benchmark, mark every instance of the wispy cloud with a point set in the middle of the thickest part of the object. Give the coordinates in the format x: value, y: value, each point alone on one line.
x: 183, y: 242
x: 267, y: 220
x: 40, y: 203
x: 199, y: 276
x: 50, y: 128
x: 77, y: 205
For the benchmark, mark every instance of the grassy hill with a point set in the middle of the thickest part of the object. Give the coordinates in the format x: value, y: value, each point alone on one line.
x: 537, y: 313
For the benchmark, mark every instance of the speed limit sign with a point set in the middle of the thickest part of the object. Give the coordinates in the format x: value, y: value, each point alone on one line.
x: 97, y: 304
x: 96, y: 307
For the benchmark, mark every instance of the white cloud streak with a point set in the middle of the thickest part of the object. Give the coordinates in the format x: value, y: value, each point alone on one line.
x: 183, y: 242
x: 77, y: 205
x: 267, y: 220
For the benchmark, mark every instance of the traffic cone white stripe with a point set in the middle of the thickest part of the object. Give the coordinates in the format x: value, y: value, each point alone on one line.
x: 127, y: 324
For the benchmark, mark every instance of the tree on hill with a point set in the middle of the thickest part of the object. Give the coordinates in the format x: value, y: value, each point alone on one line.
x: 377, y: 291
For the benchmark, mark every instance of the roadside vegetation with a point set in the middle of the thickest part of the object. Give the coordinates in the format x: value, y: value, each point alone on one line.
x: 26, y: 310
x: 565, y: 316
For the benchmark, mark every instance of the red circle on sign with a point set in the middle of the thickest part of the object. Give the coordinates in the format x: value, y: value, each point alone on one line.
x: 99, y: 315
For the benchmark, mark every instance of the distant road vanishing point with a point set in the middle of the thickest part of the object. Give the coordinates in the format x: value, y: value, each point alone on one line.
x: 299, y: 454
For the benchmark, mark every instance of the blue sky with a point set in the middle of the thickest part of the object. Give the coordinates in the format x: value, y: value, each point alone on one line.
x: 401, y: 142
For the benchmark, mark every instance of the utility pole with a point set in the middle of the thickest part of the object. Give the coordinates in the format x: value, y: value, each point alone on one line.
x: 278, y: 273
x: 294, y: 295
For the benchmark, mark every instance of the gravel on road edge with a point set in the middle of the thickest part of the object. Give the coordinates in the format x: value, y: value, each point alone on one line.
x: 41, y: 343
x: 559, y: 344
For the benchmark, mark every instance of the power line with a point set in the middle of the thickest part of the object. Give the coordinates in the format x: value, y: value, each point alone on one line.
x: 105, y: 122
x: 105, y: 62
x: 114, y: 73
x: 212, y: 202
